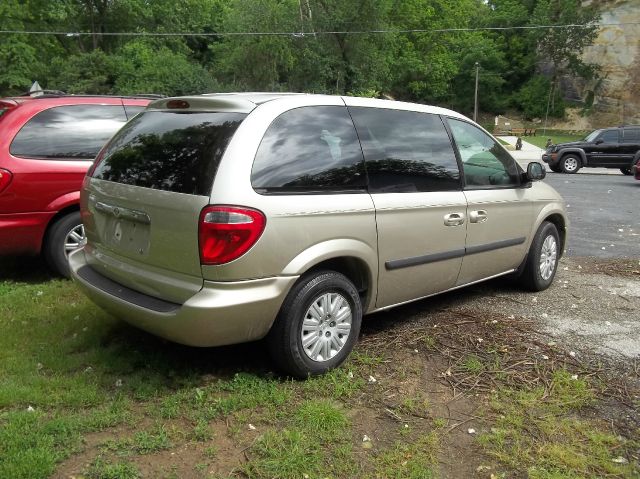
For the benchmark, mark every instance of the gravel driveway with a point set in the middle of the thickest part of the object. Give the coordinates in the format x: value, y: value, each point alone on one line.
x: 592, y: 306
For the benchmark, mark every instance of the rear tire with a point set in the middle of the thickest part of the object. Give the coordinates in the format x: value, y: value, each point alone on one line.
x: 542, y: 261
x: 570, y: 164
x: 317, y: 326
x: 626, y: 171
x: 60, y: 240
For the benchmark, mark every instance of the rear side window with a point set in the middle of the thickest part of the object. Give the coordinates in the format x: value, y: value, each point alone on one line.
x: 406, y: 151
x: 631, y: 135
x: 72, y: 131
x: 171, y: 151
x: 309, y: 149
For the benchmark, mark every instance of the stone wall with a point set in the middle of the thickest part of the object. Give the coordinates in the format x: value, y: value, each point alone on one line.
x: 616, y: 51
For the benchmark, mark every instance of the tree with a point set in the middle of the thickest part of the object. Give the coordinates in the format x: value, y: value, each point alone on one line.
x: 562, y: 47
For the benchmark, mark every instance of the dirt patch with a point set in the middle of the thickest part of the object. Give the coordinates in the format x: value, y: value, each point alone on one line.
x: 627, y: 268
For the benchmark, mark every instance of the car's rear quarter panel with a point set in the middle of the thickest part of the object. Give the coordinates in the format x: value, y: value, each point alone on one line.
x: 301, y: 230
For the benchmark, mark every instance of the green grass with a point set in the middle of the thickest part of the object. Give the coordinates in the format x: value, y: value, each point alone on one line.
x: 556, y: 137
x: 67, y: 370
x: 102, y: 469
x: 537, y: 431
x: 417, y: 460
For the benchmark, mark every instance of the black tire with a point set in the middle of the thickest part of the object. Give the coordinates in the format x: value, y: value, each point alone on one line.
x: 285, y: 338
x: 54, y: 243
x: 626, y: 171
x: 570, y: 164
x: 555, y: 169
x: 531, y: 277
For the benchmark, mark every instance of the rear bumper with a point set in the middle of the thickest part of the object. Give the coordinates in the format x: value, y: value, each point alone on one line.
x: 220, y: 313
x: 22, y: 233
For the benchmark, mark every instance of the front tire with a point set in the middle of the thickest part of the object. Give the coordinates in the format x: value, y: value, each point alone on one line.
x: 64, y: 236
x: 317, y: 326
x: 570, y: 164
x: 542, y: 261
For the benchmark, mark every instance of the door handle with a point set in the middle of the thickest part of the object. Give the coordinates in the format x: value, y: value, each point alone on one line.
x: 479, y: 216
x: 454, y: 219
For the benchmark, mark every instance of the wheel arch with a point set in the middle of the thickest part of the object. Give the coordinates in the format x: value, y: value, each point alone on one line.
x: 60, y: 214
x: 352, y: 258
x: 561, y: 225
x: 575, y: 151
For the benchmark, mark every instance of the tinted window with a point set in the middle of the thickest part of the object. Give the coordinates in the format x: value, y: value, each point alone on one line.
x: 172, y: 151
x: 631, y: 135
x: 484, y: 161
x: 610, y: 136
x: 74, y: 131
x: 406, y: 151
x: 308, y: 149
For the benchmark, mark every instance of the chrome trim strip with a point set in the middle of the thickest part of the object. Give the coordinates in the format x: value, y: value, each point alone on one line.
x: 125, y: 213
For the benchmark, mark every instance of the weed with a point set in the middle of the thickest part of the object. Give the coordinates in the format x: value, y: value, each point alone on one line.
x: 143, y: 442
x: 440, y: 423
x: 536, y: 431
x: 101, y: 469
x: 201, y: 431
x: 472, y: 364
x: 322, y: 418
x: 286, y: 454
x: 211, y: 452
x: 337, y: 384
x: 416, y: 405
x: 409, y: 461
x: 429, y: 342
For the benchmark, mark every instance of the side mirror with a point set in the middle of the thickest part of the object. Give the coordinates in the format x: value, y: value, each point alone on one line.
x: 535, y: 171
x: 599, y: 141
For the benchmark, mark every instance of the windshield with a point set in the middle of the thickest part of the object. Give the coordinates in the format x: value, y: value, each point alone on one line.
x: 592, y: 136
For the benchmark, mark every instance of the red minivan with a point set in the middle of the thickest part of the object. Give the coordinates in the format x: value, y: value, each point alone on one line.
x: 47, y: 143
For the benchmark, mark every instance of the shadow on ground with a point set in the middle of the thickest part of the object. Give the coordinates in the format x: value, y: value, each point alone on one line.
x: 24, y: 269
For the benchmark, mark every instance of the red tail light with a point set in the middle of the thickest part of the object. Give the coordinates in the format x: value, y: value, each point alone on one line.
x: 5, y: 179
x: 227, y: 232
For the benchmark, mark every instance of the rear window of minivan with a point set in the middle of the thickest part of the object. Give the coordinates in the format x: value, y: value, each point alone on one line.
x: 170, y: 151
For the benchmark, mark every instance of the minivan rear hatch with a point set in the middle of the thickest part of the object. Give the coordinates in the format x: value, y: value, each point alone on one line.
x: 141, y: 202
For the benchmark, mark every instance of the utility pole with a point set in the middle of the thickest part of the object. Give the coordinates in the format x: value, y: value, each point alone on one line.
x: 475, y: 101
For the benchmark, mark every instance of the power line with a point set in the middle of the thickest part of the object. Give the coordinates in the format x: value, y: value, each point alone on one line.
x: 303, y: 34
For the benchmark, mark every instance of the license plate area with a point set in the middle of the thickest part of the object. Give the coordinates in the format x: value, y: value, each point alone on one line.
x: 125, y: 236
x: 123, y: 230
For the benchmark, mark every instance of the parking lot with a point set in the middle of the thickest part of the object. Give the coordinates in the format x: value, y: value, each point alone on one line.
x: 603, y: 210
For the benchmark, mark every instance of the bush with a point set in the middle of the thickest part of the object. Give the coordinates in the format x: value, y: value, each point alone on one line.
x: 532, y: 99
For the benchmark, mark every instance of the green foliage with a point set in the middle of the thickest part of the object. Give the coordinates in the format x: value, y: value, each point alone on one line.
x: 534, y: 96
x: 315, y: 56
x: 536, y: 430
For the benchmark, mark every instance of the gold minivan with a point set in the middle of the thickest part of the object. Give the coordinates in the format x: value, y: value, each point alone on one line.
x: 225, y: 218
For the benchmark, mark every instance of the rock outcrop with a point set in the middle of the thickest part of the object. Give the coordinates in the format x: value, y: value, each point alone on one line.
x: 616, y: 51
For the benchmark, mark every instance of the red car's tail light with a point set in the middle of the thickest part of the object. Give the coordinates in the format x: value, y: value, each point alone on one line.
x: 227, y: 232
x: 5, y: 179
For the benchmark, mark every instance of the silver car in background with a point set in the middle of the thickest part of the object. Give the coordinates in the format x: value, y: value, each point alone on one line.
x: 226, y: 218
